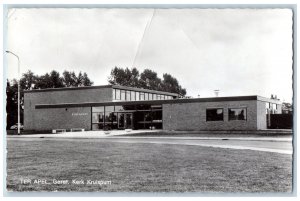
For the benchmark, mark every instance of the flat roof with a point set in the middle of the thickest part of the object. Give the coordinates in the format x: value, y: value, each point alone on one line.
x: 101, y: 87
x: 158, y: 102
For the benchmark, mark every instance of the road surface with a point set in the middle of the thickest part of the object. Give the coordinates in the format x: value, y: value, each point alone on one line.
x: 268, y: 144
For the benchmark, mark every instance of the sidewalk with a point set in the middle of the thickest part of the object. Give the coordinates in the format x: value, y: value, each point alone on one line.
x: 122, y: 134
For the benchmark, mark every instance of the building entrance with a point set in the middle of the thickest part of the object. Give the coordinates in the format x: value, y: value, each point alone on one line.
x: 125, y: 121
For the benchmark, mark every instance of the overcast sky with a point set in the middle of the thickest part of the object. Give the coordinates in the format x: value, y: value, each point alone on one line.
x: 238, y: 51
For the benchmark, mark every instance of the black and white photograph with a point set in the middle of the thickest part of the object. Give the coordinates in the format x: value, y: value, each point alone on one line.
x: 149, y: 99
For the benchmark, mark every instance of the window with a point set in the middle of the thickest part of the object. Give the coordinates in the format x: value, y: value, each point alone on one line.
x: 128, y: 95
x: 137, y: 95
x: 98, y: 109
x: 97, y: 118
x: 132, y: 95
x: 146, y: 96
x: 123, y: 95
x: 150, y: 96
x: 117, y: 94
x: 158, y: 97
x: 268, y: 107
x: 142, y: 96
x: 237, y: 114
x: 154, y: 97
x: 110, y: 117
x: 214, y: 114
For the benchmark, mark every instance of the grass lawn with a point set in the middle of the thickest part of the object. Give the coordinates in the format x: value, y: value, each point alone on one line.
x: 143, y: 167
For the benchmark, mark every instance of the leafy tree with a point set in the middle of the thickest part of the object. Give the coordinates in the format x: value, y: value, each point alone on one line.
x: 86, y: 80
x: 148, y: 79
x: 55, y: 80
x: 11, y: 102
x: 171, y: 84
x: 124, y: 77
x: 69, y: 78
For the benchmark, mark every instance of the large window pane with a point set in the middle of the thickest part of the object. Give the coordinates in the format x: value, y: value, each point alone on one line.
x: 110, y: 117
x: 142, y: 96
x: 214, y: 114
x: 137, y: 95
x: 146, y: 96
x: 118, y: 94
x: 98, y: 109
x: 128, y: 95
x: 114, y: 94
x: 123, y: 95
x: 119, y: 108
x: 109, y: 108
x: 97, y: 117
x: 237, y: 114
x: 150, y: 96
x: 132, y: 95
x: 154, y: 96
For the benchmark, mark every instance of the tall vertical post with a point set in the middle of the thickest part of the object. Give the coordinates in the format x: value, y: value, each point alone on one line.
x: 19, y: 123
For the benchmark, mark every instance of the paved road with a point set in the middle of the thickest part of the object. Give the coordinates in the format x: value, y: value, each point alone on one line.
x: 283, y: 146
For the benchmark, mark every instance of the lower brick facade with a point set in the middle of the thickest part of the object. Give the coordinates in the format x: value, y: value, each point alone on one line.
x: 192, y: 116
x: 62, y: 118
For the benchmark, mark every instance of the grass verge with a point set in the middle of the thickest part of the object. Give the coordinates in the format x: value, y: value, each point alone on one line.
x: 143, y: 167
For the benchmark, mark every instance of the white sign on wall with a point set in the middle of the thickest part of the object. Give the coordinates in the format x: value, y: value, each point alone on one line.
x: 79, y: 114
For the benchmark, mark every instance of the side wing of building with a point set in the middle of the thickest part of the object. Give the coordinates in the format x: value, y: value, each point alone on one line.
x: 55, y: 118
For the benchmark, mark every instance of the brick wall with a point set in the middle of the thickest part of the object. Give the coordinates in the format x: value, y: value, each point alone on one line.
x: 62, y: 118
x: 36, y: 119
x: 192, y: 116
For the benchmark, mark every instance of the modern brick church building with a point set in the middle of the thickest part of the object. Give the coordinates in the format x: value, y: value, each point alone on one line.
x: 119, y: 107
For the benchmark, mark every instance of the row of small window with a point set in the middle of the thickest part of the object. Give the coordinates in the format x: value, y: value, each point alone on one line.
x: 126, y: 95
x: 233, y: 114
x: 271, y: 108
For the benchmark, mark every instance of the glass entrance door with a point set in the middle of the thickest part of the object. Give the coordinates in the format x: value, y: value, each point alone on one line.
x: 124, y: 120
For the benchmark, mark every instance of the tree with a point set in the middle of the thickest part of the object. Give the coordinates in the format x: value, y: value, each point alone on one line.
x: 69, y: 78
x: 11, y: 102
x: 124, y: 77
x: 171, y: 84
x: 148, y: 79
x: 86, y: 80
x: 55, y: 80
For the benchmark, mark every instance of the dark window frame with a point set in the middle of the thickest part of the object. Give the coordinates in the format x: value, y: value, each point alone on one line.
x: 215, y: 109
x: 245, y: 108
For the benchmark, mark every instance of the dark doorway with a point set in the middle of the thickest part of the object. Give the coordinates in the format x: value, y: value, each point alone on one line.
x: 125, y: 121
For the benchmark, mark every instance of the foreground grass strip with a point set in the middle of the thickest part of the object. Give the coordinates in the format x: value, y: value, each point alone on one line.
x: 143, y: 167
